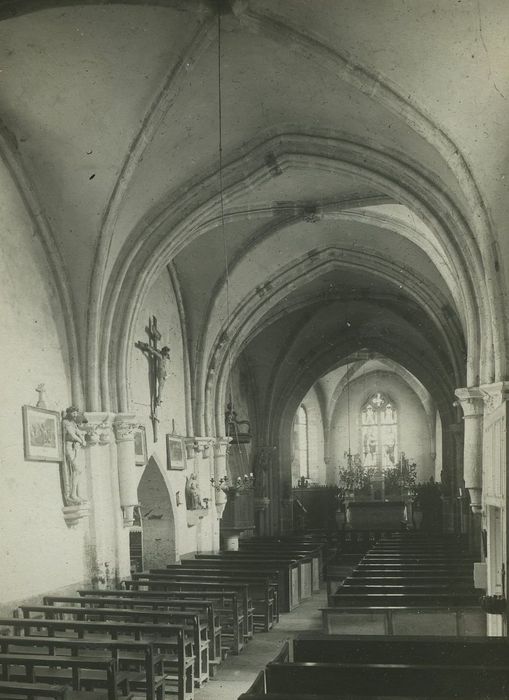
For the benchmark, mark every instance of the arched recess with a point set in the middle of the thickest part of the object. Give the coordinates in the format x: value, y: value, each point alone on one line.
x: 158, y: 507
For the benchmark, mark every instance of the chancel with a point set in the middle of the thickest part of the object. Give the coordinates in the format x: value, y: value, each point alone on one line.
x: 255, y: 348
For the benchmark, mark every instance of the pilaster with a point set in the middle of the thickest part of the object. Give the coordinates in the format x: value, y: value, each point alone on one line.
x: 124, y: 426
x: 99, y: 457
x: 472, y: 404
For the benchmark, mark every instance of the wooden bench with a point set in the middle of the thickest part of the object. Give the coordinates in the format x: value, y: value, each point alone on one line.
x: 303, y: 681
x: 297, y: 569
x: 290, y: 574
x: 455, y: 651
x: 241, y: 585
x: 264, y: 586
x: 234, y: 605
x: 80, y: 673
x: 190, y: 622
x: 34, y: 690
x: 169, y: 640
x: 411, y: 620
x: 411, y: 599
x: 285, y: 549
x: 120, y: 599
x: 149, y: 674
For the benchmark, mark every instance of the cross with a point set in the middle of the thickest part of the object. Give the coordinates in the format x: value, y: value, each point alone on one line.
x: 153, y: 332
x: 378, y: 401
x: 154, y: 336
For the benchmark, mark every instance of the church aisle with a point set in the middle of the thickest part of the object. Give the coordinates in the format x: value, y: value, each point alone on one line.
x: 238, y: 672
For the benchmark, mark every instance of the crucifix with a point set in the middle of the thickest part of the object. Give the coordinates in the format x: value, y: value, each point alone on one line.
x: 159, y: 369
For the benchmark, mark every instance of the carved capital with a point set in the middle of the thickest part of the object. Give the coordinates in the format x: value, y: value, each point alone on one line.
x: 221, y: 446
x: 124, y: 426
x: 98, y: 428
x: 195, y: 445
x: 494, y: 395
x: 471, y: 401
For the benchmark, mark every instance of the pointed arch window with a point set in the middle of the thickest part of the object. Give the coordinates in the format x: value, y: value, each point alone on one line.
x: 379, y: 432
x: 302, y: 435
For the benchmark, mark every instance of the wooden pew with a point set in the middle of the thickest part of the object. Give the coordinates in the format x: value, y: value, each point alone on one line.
x: 168, y: 640
x: 149, y: 675
x: 411, y: 620
x: 300, y: 681
x: 189, y: 621
x: 264, y: 586
x: 410, y: 599
x: 285, y: 549
x: 241, y: 585
x: 119, y: 598
x: 234, y: 604
x: 34, y: 690
x: 456, y: 651
x: 290, y: 574
x: 37, y: 668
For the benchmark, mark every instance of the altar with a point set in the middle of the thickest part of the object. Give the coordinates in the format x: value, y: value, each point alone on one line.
x: 376, y: 515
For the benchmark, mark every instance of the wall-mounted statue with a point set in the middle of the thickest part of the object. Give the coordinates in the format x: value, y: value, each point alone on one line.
x: 74, y: 439
x: 193, y: 498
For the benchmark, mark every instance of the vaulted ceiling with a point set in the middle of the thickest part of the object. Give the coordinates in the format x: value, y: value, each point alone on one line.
x: 364, y: 147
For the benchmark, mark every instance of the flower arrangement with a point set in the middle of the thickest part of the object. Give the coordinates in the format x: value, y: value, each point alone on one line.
x: 240, y: 485
x: 401, y: 477
x: 355, y: 477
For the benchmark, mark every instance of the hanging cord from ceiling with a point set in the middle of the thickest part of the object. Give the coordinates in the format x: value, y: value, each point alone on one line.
x: 242, y: 451
x: 221, y: 192
x: 349, y: 458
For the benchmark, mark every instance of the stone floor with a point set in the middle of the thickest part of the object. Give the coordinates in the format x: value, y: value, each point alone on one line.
x: 238, y: 672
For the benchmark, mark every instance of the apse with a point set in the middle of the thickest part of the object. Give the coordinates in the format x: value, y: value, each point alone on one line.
x: 371, y: 409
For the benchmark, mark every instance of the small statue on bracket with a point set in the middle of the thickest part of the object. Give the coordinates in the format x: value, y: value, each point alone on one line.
x: 74, y: 440
x: 193, y: 498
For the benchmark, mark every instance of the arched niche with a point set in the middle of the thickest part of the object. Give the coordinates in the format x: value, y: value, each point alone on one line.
x: 157, y: 507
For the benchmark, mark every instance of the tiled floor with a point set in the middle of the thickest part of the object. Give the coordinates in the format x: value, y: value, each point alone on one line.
x: 238, y: 672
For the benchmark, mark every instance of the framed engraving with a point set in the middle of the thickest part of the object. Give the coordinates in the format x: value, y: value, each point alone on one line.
x: 175, y: 452
x: 42, y: 434
x: 140, y: 446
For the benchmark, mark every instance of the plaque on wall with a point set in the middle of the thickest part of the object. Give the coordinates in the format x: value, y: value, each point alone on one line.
x: 175, y: 453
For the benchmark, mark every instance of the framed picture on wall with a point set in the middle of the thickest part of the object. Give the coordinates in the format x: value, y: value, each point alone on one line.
x: 140, y: 446
x: 42, y: 434
x: 175, y: 452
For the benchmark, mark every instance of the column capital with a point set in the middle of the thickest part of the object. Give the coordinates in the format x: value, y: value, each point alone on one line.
x: 98, y: 428
x: 124, y: 425
x: 471, y: 400
x: 197, y: 444
x: 494, y: 395
x: 221, y: 445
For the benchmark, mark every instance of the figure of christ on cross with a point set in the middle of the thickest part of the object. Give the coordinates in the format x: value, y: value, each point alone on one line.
x: 159, y: 364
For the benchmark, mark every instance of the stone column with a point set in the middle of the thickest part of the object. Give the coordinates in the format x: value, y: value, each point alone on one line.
x: 124, y: 426
x: 471, y: 401
x: 102, y: 554
x: 220, y: 454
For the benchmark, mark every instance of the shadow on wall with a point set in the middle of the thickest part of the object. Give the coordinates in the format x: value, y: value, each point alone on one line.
x: 158, y: 518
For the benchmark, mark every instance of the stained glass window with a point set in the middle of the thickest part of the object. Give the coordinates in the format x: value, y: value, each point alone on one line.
x: 379, y: 432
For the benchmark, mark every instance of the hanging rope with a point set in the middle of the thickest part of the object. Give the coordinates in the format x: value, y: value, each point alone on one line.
x: 221, y: 194
x: 348, y: 410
